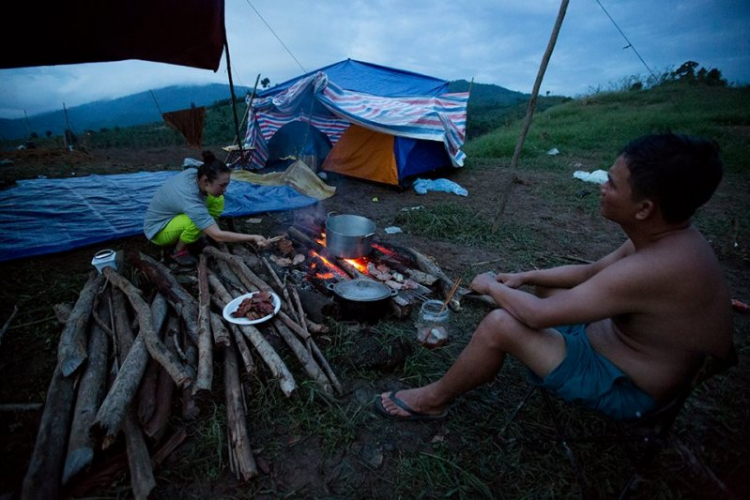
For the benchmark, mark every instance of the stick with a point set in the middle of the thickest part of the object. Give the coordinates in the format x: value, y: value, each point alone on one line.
x: 266, y: 351
x: 7, y: 322
x: 72, y: 348
x: 165, y: 386
x: 530, y: 112
x: 91, y: 391
x: 202, y: 385
x: 147, y: 390
x: 444, y: 282
x: 221, y: 333
x: 281, y: 289
x: 304, y: 356
x: 21, y: 407
x: 239, y: 441
x: 247, y: 359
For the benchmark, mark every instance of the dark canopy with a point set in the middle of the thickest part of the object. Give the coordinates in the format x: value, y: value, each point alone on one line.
x: 183, y: 32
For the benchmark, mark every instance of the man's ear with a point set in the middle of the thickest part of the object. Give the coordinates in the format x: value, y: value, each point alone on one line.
x: 646, y: 209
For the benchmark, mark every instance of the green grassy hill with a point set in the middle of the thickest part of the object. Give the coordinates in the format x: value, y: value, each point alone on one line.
x: 597, y: 126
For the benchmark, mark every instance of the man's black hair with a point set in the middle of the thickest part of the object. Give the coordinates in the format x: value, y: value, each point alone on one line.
x: 678, y: 172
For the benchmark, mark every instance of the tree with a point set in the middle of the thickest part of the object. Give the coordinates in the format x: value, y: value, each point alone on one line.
x: 686, y: 72
x: 48, y: 134
x: 265, y: 83
x: 33, y: 135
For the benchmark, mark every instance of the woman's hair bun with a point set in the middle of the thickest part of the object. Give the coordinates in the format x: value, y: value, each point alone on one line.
x: 208, y: 157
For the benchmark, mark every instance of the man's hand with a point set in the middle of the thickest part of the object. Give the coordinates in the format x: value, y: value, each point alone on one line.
x: 482, y: 283
x: 511, y: 280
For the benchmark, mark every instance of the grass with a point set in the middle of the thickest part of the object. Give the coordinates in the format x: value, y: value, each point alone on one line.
x: 597, y: 126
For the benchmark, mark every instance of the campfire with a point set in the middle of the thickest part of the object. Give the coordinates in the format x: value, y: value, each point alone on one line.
x: 136, y: 350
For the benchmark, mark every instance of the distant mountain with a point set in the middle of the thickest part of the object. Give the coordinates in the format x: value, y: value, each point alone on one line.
x: 135, y: 109
x: 487, y: 94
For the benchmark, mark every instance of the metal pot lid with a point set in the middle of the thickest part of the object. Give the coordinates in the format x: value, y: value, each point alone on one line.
x: 362, y: 290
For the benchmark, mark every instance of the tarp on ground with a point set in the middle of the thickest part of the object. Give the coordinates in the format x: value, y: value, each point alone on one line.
x: 43, y: 216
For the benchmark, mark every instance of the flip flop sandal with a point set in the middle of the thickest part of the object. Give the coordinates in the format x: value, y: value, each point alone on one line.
x: 413, y: 414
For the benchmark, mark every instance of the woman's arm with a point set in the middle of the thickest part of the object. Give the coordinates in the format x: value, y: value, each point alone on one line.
x: 218, y: 234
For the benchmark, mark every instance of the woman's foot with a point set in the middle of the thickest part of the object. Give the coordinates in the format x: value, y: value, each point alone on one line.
x: 183, y: 258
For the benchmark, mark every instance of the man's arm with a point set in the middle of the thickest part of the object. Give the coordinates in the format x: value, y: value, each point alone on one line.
x: 216, y: 233
x: 564, y: 276
x: 618, y: 289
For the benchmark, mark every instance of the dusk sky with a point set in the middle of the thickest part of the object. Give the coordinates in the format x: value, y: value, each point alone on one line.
x: 498, y: 42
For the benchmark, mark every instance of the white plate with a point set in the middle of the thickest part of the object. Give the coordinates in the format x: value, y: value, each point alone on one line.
x: 233, y: 305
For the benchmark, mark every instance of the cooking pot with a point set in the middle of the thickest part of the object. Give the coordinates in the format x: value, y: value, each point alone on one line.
x: 349, y: 236
x: 362, y: 298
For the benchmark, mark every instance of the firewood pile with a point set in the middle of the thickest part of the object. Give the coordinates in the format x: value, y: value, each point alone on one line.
x: 128, y: 356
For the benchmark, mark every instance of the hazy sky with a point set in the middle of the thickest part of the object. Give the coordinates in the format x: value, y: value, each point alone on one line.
x: 492, y: 41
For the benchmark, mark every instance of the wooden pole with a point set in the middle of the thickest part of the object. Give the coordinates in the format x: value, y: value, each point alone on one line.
x: 529, y: 113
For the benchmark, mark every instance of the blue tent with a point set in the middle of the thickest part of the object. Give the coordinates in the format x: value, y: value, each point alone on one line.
x: 382, y: 124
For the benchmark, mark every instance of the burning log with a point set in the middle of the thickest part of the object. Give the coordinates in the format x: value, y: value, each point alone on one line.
x: 183, y: 375
x: 270, y: 357
x: 205, y: 340
x: 91, y: 391
x: 72, y: 347
x: 444, y: 282
x: 181, y: 301
x: 240, y: 453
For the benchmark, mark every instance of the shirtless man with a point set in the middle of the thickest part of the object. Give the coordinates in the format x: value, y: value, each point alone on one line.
x: 639, y: 321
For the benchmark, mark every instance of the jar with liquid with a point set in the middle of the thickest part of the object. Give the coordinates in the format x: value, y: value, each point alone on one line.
x: 432, y: 324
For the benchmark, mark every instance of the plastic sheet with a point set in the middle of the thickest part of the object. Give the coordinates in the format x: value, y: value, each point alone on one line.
x: 44, y: 216
x: 422, y: 186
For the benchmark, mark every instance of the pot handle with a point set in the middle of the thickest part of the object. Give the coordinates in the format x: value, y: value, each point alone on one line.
x: 329, y: 286
x: 394, y: 292
x: 368, y: 235
x: 328, y: 215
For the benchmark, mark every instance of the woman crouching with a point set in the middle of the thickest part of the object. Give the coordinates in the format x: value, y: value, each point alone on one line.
x: 187, y: 205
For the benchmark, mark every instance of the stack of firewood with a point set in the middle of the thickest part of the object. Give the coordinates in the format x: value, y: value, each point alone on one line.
x: 123, y: 360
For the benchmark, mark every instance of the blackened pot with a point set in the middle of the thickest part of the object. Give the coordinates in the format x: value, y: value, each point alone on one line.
x: 363, y: 299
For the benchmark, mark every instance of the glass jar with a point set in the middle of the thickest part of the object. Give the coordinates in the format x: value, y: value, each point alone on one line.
x: 432, y: 325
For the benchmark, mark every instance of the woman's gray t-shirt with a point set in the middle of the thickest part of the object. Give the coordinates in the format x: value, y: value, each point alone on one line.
x: 179, y: 195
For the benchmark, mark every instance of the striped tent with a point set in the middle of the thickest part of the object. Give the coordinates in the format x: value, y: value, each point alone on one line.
x: 376, y: 123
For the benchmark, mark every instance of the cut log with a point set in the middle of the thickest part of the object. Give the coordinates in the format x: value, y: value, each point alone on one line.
x: 91, y: 389
x: 182, y: 374
x: 239, y: 441
x: 123, y: 331
x: 142, y: 480
x: 71, y: 351
x: 249, y: 279
x: 165, y: 387
x: 190, y: 410
x: 202, y: 385
x: 181, y: 301
x: 222, y: 337
x: 43, y: 476
x: 147, y: 390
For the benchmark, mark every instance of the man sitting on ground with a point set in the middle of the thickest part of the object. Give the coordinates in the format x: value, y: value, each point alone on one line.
x: 638, y: 322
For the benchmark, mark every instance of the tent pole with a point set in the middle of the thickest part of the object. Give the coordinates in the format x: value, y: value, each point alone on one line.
x: 530, y: 113
x: 234, y: 104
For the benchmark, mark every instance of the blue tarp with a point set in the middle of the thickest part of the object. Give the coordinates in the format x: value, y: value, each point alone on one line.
x: 43, y: 216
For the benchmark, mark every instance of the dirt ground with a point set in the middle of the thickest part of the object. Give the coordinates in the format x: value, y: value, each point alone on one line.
x: 26, y: 362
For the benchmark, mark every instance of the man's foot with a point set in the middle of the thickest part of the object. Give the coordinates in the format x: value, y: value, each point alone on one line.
x: 183, y: 258
x: 405, y: 405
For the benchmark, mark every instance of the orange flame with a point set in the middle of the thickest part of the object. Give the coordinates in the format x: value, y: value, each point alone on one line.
x: 359, y: 264
x: 328, y: 263
x: 386, y: 251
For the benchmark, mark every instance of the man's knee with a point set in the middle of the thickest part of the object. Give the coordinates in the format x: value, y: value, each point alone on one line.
x: 499, y: 328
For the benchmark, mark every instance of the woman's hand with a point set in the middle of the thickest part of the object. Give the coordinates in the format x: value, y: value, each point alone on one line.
x: 482, y: 283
